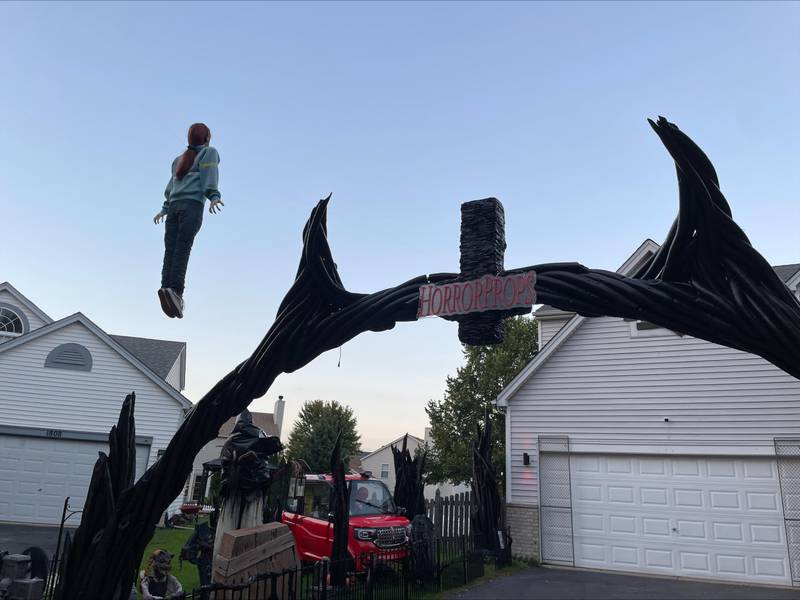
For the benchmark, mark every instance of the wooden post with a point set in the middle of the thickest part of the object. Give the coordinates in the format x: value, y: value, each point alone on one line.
x: 437, y: 514
x: 451, y: 517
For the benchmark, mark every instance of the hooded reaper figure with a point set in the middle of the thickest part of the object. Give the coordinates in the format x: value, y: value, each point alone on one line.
x: 245, y: 479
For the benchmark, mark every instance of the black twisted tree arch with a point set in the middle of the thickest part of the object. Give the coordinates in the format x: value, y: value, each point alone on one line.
x: 706, y: 281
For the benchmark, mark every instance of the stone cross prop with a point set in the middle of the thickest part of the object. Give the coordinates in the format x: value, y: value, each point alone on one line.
x: 480, y: 299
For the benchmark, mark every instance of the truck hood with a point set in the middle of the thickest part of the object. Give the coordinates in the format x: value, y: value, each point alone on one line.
x: 378, y: 521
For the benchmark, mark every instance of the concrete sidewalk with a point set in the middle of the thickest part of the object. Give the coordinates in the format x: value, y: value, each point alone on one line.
x: 575, y: 584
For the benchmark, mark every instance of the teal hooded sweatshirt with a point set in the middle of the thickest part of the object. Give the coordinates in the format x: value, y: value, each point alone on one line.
x: 199, y: 183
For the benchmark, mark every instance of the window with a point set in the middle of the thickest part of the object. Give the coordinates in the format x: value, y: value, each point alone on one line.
x: 69, y: 356
x: 199, y: 488
x: 370, y: 497
x: 12, y: 322
x: 385, y: 471
x: 641, y: 329
x: 317, y: 500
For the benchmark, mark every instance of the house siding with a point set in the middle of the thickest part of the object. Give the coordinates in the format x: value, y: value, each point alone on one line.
x: 33, y: 319
x: 35, y: 396
x: 174, y: 376
x: 384, y: 456
x: 549, y: 327
x: 611, y: 392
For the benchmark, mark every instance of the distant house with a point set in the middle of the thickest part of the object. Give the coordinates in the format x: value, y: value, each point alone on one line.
x: 381, y: 462
x: 62, y: 384
x: 271, y: 423
x: 630, y: 447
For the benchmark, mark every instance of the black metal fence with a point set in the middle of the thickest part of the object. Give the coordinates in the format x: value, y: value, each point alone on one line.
x: 63, y: 541
x: 399, y: 575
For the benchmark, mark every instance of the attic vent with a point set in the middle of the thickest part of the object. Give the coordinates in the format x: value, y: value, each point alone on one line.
x: 69, y: 356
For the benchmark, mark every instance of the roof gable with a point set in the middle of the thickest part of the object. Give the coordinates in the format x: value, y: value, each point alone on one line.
x: 24, y: 301
x: 787, y: 272
x: 393, y: 443
x: 121, y: 350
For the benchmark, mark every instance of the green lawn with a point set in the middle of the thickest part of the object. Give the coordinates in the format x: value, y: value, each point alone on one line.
x: 172, y: 540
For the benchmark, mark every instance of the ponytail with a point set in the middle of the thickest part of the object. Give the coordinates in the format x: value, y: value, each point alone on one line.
x: 199, y: 135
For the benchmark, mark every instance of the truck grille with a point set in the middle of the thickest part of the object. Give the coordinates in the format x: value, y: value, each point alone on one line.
x: 389, y: 537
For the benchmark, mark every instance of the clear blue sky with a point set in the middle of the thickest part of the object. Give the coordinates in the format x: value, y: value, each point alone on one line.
x: 403, y: 111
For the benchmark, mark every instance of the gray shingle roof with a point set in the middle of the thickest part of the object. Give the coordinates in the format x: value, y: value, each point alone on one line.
x: 158, y: 355
x: 786, y: 272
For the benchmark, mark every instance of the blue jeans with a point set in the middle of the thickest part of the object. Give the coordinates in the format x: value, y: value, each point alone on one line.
x: 184, y: 219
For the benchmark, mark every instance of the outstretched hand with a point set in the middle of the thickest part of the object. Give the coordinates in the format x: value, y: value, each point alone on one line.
x: 160, y: 216
x: 215, y: 206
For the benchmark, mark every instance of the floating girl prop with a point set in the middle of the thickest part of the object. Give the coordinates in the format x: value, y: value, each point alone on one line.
x: 195, y: 175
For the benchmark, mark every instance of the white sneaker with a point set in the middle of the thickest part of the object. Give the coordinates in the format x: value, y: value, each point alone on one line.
x: 176, y: 301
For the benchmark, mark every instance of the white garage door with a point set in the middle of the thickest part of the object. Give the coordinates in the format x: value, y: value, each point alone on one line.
x: 689, y: 516
x: 37, y: 473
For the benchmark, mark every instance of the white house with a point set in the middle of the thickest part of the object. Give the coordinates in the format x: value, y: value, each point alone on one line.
x: 271, y: 423
x: 381, y: 462
x: 62, y: 384
x: 632, y: 448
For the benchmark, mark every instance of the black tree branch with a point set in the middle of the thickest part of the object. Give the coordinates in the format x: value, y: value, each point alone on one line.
x: 707, y: 281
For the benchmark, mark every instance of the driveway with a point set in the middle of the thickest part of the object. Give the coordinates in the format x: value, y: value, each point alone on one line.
x: 16, y: 538
x: 573, y: 584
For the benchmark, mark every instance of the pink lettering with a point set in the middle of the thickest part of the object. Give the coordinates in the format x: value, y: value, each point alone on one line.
x: 448, y: 296
x: 437, y: 293
x: 509, y: 285
x: 468, y: 304
x: 498, y: 291
x: 424, y: 301
x: 457, y: 289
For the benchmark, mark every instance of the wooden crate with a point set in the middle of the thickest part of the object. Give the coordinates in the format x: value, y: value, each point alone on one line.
x: 268, y: 548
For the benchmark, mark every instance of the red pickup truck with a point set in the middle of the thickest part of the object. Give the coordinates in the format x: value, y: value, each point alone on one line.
x: 376, y: 524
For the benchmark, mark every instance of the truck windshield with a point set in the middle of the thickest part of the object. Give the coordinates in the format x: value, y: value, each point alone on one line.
x: 370, y: 497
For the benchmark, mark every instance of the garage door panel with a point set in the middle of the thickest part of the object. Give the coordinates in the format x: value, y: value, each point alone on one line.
x: 36, y: 474
x: 699, y: 562
x: 690, y: 516
x: 681, y: 531
x: 705, y: 497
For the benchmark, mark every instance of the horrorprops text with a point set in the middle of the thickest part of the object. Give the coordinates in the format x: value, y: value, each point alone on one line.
x: 489, y: 292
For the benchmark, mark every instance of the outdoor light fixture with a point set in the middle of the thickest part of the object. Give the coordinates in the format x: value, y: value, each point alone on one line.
x: 526, y: 459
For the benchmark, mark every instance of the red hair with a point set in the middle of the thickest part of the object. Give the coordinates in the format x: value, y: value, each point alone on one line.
x: 199, y: 135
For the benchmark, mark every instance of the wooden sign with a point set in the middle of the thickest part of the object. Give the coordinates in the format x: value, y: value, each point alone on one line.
x: 490, y: 292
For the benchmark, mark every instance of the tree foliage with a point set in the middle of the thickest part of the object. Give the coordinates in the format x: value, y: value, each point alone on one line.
x: 314, y: 434
x: 456, y: 417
